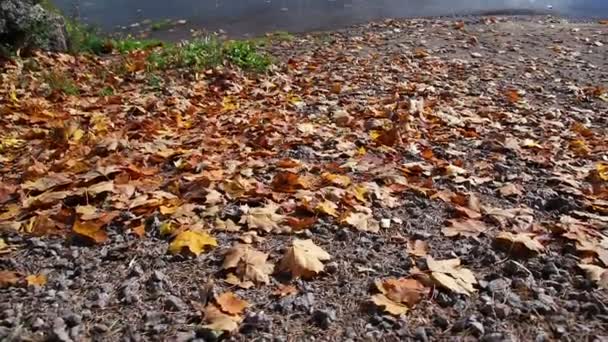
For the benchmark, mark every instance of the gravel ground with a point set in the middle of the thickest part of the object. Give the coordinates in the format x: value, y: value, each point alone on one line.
x: 130, y: 289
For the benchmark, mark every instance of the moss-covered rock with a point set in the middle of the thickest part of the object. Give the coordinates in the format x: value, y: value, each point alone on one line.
x: 27, y: 25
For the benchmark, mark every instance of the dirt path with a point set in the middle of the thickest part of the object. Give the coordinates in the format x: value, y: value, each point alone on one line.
x: 438, y: 136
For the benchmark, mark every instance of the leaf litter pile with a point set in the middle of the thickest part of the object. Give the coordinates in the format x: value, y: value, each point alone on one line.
x: 421, y: 179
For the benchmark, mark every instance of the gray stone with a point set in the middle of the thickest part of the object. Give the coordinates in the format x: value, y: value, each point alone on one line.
x: 25, y: 24
x: 323, y: 318
x: 59, y: 332
x: 420, y: 334
x: 173, y: 303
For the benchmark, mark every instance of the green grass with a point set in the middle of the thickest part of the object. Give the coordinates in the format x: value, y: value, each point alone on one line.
x: 61, y: 82
x: 106, y: 91
x: 209, y: 52
x: 161, y: 25
x: 130, y: 44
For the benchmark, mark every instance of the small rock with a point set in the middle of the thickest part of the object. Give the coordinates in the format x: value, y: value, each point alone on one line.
x: 324, y: 318
x: 59, y: 332
x: 38, y: 323
x: 476, y: 327
x: 305, y: 302
x: 493, y: 337
x: 72, y: 320
x: 256, y: 321
x: 100, y: 328
x: 476, y: 55
x: 101, y: 300
x: 331, y: 267
x: 343, y: 234
x: 420, y: 334
x: 153, y: 317
x: 173, y: 303
x: 499, y: 285
x: 385, y: 223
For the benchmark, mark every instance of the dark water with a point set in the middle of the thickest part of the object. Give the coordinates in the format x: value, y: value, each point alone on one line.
x: 245, y: 17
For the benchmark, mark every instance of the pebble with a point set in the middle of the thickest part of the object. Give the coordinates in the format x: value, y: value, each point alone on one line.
x: 493, y: 337
x: 420, y: 334
x: 385, y: 223
x: 476, y: 55
x: 59, y: 332
x: 323, y: 318
x: 173, y: 303
x: 100, y: 328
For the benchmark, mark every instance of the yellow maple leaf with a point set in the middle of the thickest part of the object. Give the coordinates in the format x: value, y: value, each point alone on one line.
x: 327, y: 207
x: 602, y: 171
x: 36, y: 280
x: 194, y: 241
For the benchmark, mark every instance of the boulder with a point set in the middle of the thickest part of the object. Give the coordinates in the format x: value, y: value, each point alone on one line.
x: 27, y: 25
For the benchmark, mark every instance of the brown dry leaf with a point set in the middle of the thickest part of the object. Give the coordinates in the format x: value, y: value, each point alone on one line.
x: 90, y: 230
x: 264, y: 218
x: 336, y: 179
x: 327, y: 207
x: 249, y: 263
x: 218, y: 321
x: 466, y: 228
x: 232, y: 279
x: 519, y: 243
x: 288, y: 182
x: 510, y: 190
x: 418, y: 248
x: 194, y: 241
x: 285, y: 290
x: 450, y: 275
x: 9, y: 278
x: 303, y: 259
x: 48, y: 182
x: 45, y: 198
x: 362, y: 221
x: 36, y: 280
x: 402, y: 290
x: 102, y: 187
x: 389, y: 306
x: 231, y: 303
x: 597, y: 274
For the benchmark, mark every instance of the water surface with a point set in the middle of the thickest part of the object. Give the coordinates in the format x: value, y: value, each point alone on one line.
x: 252, y: 17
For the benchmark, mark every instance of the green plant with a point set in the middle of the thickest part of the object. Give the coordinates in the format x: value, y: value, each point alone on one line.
x: 245, y: 55
x: 83, y: 38
x: 129, y: 44
x: 160, y: 25
x: 155, y: 82
x: 61, y: 82
x: 197, y: 55
x: 106, y: 91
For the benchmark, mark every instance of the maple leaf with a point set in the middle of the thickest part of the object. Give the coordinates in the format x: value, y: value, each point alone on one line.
x: 597, y: 274
x: 264, y: 218
x: 285, y: 290
x: 9, y: 278
x: 417, y: 248
x: 218, y: 321
x: 450, y: 275
x: 288, y: 182
x: 390, y: 306
x: 467, y: 228
x: 363, y: 221
x: 336, y: 179
x: 303, y: 259
x: 327, y: 207
x: 90, y: 230
x: 230, y: 303
x: 510, y: 190
x: 402, y: 290
x: 48, y: 182
x: 194, y: 241
x: 250, y: 264
x: 519, y: 243
x: 36, y: 280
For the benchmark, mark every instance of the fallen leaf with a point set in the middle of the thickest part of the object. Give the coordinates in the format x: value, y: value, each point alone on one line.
x: 418, y: 248
x: 303, y: 259
x: 8, y: 279
x: 328, y: 208
x: 264, y: 218
x: 402, y: 290
x: 249, y: 263
x: 288, y: 182
x: 194, y: 241
x: 48, y: 182
x: 36, y: 280
x: 336, y: 179
x: 597, y: 274
x: 230, y: 303
x: 218, y: 321
x: 450, y: 275
x: 285, y: 290
x: 90, y: 230
x: 362, y: 221
x: 466, y: 228
x: 389, y: 306
x: 519, y: 243
x: 510, y: 190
